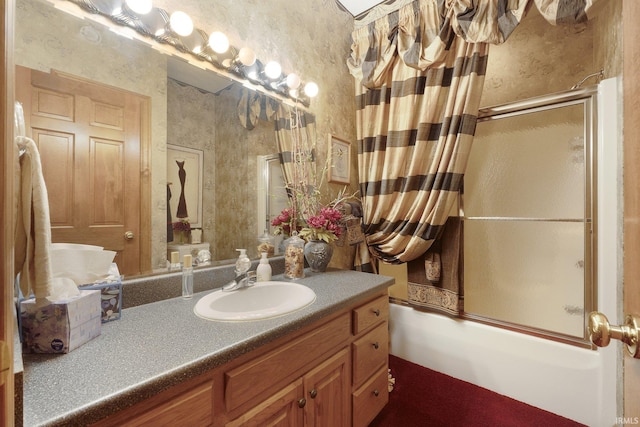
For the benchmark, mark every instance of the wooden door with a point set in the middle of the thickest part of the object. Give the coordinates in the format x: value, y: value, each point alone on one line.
x: 90, y: 141
x: 327, y: 390
x: 631, y: 222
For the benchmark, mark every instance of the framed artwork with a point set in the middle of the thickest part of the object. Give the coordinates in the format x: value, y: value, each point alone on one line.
x: 339, y: 160
x: 184, y: 176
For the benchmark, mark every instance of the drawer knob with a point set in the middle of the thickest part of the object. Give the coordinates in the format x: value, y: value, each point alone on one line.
x: 376, y: 312
x: 376, y: 393
x: 376, y: 345
x: 313, y: 393
x: 302, y: 402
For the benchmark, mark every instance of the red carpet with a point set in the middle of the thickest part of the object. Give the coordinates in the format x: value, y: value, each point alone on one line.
x: 422, y: 397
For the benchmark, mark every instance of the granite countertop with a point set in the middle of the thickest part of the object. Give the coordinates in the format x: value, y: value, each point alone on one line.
x: 160, y: 344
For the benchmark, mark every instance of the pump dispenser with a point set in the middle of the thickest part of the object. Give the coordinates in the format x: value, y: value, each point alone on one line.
x: 263, y: 272
x: 243, y: 264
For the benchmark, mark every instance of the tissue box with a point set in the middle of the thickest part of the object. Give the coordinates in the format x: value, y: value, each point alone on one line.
x: 60, y: 326
x: 110, y: 298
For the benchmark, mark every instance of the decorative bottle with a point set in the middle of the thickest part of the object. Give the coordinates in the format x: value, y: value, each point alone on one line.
x: 187, y: 277
x: 174, y: 264
x: 243, y: 263
x: 294, y: 258
x: 263, y: 272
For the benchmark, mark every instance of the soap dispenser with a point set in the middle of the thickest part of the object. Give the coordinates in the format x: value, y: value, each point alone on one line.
x: 263, y: 272
x: 243, y: 264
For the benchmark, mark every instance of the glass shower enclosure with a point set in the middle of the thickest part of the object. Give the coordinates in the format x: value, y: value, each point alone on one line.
x: 529, y: 216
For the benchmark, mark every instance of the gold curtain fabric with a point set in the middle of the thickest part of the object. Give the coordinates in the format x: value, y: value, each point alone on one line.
x: 415, y: 129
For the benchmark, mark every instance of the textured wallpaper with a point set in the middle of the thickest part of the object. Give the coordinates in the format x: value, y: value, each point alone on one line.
x: 540, y: 58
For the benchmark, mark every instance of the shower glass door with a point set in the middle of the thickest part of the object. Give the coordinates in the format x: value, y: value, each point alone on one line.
x: 529, y: 226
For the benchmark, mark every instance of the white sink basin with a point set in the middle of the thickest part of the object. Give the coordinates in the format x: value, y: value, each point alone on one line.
x: 261, y: 301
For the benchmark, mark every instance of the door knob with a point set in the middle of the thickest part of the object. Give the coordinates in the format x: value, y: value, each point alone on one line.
x: 601, y: 332
x: 129, y: 235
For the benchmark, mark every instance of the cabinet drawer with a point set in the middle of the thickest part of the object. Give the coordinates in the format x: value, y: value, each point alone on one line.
x: 255, y: 378
x: 370, y: 352
x: 369, y: 399
x: 184, y: 405
x: 371, y: 313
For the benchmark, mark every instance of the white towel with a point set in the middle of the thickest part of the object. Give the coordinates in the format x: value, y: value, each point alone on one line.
x: 33, y: 225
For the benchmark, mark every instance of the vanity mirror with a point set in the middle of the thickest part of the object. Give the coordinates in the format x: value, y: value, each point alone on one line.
x: 204, y: 119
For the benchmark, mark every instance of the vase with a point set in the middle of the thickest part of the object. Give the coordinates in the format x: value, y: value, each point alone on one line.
x: 318, y: 254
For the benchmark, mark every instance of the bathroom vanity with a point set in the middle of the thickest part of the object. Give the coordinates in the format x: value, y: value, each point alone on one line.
x: 160, y: 364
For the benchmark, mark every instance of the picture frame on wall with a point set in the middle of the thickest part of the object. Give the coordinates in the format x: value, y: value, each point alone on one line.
x: 339, y: 160
x: 185, y: 164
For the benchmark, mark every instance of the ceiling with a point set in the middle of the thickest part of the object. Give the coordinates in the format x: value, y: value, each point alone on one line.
x: 356, y: 7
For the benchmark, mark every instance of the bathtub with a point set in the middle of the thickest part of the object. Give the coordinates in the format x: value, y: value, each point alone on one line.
x: 566, y: 380
x: 581, y: 384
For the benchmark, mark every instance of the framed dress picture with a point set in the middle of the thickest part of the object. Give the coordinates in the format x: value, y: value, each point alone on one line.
x: 185, y: 175
x: 339, y: 160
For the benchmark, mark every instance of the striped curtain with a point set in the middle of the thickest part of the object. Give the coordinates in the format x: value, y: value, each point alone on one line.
x: 296, y: 139
x: 417, y: 102
x: 419, y: 75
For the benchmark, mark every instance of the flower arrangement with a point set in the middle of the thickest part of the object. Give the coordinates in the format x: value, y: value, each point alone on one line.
x: 182, y: 225
x: 283, y: 222
x: 324, y: 225
x: 314, y: 221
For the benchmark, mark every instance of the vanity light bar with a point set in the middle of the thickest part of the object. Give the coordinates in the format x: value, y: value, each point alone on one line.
x: 178, y: 31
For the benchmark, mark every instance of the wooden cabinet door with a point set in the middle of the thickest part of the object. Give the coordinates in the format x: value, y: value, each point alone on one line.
x: 90, y: 142
x: 327, y: 389
x: 283, y: 409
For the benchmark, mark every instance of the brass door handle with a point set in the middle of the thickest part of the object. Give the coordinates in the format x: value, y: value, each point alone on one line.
x: 601, y: 332
x: 129, y: 235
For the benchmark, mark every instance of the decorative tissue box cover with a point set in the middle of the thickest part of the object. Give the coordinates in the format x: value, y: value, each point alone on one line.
x: 61, y: 326
x: 110, y: 298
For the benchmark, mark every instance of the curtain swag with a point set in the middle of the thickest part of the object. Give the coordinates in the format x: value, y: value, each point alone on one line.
x: 417, y: 33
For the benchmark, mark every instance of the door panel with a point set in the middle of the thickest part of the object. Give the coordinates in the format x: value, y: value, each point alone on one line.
x: 631, y: 122
x: 89, y: 136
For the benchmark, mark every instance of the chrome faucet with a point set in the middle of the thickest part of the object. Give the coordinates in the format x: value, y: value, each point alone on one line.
x: 244, y: 280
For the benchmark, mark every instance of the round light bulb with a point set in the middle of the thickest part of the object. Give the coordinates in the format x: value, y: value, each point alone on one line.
x: 273, y: 70
x: 218, y: 42
x: 293, y: 81
x: 294, y: 93
x: 181, y: 23
x: 141, y: 7
x: 247, y: 57
x: 311, y: 89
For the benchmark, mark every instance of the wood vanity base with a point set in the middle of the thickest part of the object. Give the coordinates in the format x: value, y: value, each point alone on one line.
x: 331, y: 373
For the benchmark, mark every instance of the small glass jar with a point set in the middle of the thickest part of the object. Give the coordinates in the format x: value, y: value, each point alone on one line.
x: 294, y: 258
x: 266, y: 243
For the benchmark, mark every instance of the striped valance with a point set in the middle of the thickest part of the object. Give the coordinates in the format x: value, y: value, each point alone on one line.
x: 417, y: 33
